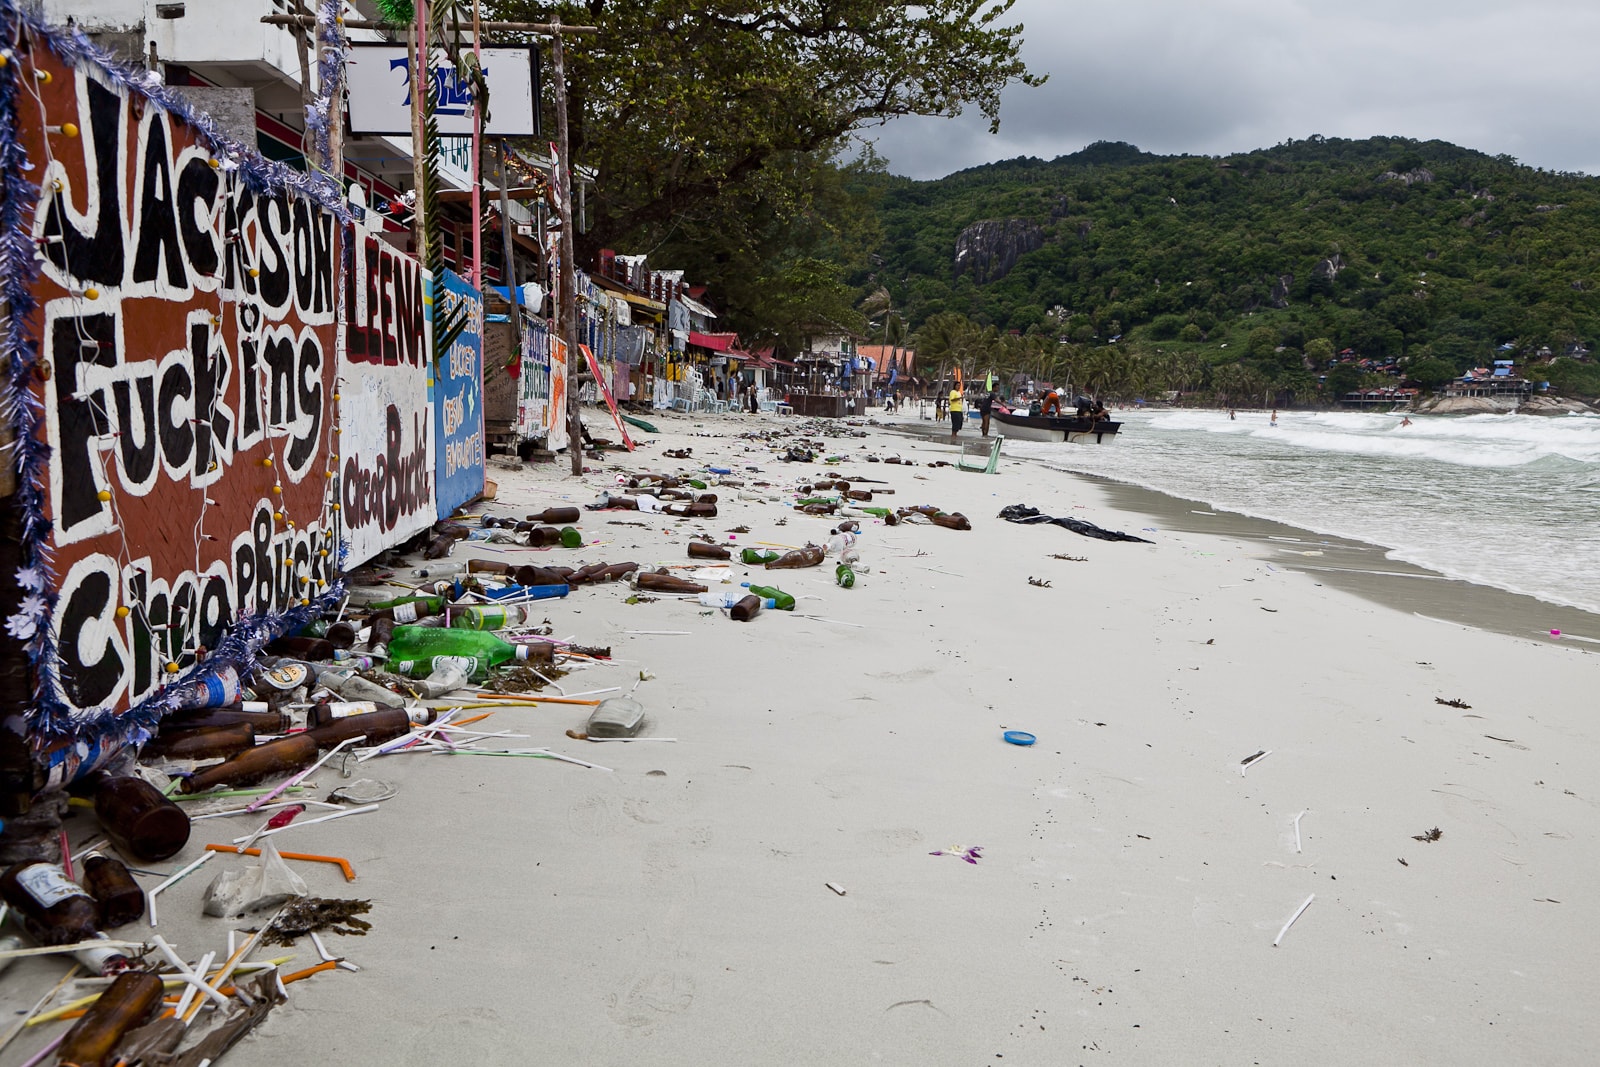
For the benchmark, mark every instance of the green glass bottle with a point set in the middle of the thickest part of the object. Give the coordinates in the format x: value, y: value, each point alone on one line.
x: 780, y: 600
x: 413, y: 649
x: 845, y: 576
x: 571, y: 538
x: 757, y: 557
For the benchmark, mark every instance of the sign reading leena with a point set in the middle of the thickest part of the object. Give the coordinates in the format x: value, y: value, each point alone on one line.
x: 385, y: 444
x: 379, y: 78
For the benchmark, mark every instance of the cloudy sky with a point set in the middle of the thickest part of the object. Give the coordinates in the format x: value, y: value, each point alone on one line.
x: 1219, y: 76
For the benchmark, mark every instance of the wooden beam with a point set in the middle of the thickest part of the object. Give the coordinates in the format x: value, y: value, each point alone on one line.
x: 393, y: 27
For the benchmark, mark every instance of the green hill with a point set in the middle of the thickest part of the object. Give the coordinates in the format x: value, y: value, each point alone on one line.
x: 1394, y: 248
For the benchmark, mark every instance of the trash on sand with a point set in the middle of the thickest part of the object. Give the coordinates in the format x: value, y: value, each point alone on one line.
x: 1251, y: 760
x: 616, y: 717
x: 836, y: 887
x: 1019, y: 737
x: 211, y: 850
x: 315, y: 914
x: 972, y: 854
x: 1430, y: 837
x: 1297, y: 913
x: 1453, y: 703
x: 256, y: 888
x: 1022, y: 513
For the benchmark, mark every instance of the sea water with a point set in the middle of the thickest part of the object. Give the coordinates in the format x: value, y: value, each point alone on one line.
x: 1510, y: 501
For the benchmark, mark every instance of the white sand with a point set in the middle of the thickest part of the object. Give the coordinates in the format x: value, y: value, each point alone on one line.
x: 1132, y: 880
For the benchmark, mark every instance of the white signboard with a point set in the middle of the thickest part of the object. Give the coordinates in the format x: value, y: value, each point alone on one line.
x: 379, y: 78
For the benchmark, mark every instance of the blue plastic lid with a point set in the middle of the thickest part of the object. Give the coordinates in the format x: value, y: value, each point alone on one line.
x: 1020, y: 737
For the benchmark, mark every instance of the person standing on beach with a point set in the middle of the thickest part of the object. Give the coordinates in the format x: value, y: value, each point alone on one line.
x: 1274, y: 417
x: 958, y: 408
x: 986, y: 408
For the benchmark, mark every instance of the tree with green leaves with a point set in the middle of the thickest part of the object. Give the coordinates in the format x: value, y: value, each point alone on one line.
x: 709, y: 124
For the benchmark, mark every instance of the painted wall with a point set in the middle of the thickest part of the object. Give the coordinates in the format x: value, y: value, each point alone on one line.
x: 219, y: 385
x: 188, y: 324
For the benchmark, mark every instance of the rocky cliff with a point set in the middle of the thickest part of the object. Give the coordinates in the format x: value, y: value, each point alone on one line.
x: 988, y: 250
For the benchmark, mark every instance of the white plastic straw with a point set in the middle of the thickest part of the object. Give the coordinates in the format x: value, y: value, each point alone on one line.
x: 172, y: 880
x: 309, y: 822
x: 1297, y: 819
x: 1297, y: 913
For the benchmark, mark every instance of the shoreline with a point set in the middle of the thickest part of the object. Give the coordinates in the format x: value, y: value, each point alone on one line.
x: 1361, y: 567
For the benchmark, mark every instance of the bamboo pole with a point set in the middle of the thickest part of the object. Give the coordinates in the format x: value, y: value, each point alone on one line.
x: 568, y: 283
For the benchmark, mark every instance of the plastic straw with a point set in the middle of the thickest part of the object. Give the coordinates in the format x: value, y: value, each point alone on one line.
x: 297, y: 779
x: 309, y: 822
x: 1297, y: 913
x: 173, y: 880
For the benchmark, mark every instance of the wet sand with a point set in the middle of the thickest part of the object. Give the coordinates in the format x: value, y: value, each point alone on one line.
x: 1354, y: 566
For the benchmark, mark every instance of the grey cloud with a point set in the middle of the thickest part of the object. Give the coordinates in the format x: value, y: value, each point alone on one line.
x: 1222, y: 76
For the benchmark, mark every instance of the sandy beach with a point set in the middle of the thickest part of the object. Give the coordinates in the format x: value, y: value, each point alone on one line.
x: 1134, y: 873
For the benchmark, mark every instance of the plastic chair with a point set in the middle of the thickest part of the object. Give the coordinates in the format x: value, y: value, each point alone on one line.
x: 981, y: 456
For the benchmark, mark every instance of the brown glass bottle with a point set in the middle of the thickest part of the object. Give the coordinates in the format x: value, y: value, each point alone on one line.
x: 382, y: 630
x: 488, y: 566
x: 302, y: 647
x: 699, y: 511
x: 129, y: 1001
x: 666, y: 583
x: 557, y: 516
x: 265, y: 722
x: 201, y: 742
x: 809, y: 556
x: 53, y: 909
x: 615, y: 571
x: 541, y: 536
x: 139, y: 820
x: 379, y: 726
x: 701, y: 550
x: 746, y: 609
x: 528, y: 574
x: 283, y: 756
x: 113, y: 888
x: 951, y: 521
x: 859, y: 494
x: 341, y: 634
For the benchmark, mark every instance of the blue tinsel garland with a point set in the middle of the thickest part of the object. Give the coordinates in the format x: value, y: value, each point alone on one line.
x: 50, y: 718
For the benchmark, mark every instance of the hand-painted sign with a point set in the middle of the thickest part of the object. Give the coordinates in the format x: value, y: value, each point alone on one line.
x: 555, y: 413
x: 385, y: 444
x: 535, y: 395
x: 458, y: 398
x: 185, y: 327
x: 379, y: 78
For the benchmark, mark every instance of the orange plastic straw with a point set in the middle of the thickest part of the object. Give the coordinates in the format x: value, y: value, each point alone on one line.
x: 344, y: 864
x: 513, y: 698
x: 475, y: 718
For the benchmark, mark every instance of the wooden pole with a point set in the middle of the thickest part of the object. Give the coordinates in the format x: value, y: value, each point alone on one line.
x: 477, y: 156
x: 569, y: 279
x: 417, y: 45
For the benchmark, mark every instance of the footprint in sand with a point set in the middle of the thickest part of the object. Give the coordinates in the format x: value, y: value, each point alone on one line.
x: 593, y: 816
x: 651, y: 998
x: 890, y: 842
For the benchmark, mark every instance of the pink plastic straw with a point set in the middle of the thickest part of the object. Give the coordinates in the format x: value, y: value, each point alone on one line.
x: 38, y: 1057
